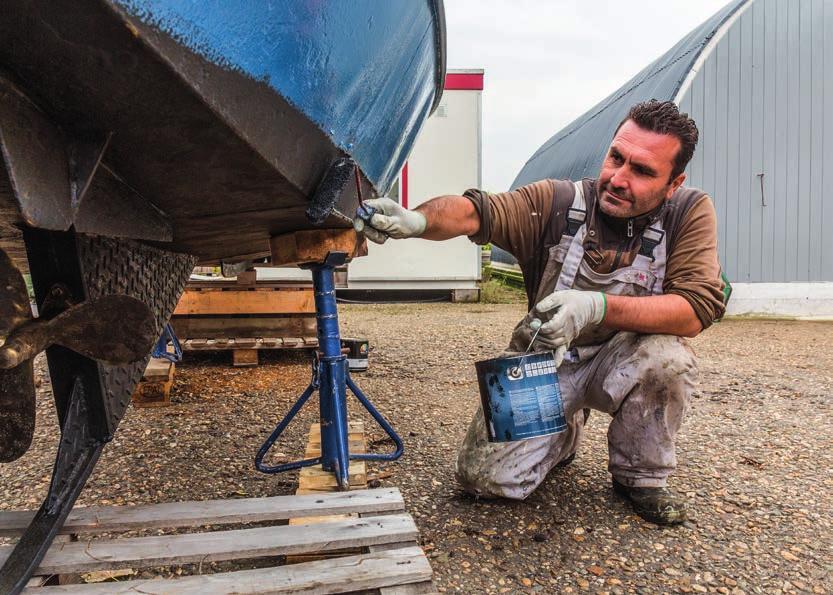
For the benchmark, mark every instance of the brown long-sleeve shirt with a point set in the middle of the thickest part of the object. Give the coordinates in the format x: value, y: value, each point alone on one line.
x: 516, y: 221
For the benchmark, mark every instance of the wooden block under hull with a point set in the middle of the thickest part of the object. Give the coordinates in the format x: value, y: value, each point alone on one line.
x: 313, y: 245
x: 154, y: 390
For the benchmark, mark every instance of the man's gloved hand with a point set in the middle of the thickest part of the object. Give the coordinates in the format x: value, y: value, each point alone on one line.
x: 574, y: 310
x: 389, y: 220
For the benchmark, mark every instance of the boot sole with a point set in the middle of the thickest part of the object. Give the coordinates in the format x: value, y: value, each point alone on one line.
x: 652, y: 516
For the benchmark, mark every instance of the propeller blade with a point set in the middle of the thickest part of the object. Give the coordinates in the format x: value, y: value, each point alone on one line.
x: 15, y: 309
x: 17, y: 411
x: 115, y: 329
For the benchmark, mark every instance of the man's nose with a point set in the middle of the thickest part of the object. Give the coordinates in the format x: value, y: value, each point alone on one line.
x: 620, y: 178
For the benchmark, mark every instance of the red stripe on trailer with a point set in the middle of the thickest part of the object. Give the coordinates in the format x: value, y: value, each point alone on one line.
x: 464, y: 81
x: 404, y: 183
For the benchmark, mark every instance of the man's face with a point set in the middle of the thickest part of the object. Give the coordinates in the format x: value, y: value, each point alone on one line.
x: 635, y: 175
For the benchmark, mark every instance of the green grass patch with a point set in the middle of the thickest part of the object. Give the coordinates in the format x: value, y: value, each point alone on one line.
x: 493, y: 291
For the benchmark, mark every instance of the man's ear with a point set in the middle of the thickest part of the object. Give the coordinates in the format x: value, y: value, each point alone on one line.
x: 675, y: 183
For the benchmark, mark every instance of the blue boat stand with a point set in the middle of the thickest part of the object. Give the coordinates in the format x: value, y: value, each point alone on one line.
x: 161, y: 348
x: 331, y: 378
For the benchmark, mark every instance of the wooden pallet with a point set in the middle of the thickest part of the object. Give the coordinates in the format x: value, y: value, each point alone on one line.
x: 314, y: 480
x: 245, y: 350
x: 245, y: 315
x: 383, y: 522
x: 247, y: 343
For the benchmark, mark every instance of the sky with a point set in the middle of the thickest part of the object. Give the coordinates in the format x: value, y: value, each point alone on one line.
x: 546, y: 62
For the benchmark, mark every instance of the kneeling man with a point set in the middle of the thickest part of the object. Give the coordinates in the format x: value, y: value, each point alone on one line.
x: 621, y: 268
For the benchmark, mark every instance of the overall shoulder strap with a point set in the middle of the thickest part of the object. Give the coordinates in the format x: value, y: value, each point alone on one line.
x: 562, y: 200
x: 658, y: 237
x: 577, y: 213
x: 677, y: 207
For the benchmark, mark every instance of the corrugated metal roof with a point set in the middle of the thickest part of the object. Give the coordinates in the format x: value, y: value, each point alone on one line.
x: 577, y: 151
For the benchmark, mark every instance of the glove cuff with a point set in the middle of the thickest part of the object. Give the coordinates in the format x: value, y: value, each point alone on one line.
x: 600, y: 309
x: 419, y: 223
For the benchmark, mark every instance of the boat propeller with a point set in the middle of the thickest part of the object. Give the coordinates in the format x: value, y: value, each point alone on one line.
x: 114, y: 329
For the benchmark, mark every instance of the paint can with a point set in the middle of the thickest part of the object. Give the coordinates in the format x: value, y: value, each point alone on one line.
x: 357, y: 351
x: 521, y: 397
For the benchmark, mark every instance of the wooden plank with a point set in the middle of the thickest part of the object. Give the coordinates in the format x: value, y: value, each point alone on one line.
x: 158, y: 368
x: 355, y: 446
x: 313, y: 245
x: 105, y: 519
x: 415, y: 588
x: 353, y: 427
x: 318, y: 480
x: 164, y: 550
x: 231, y: 283
x: 235, y: 344
x: 312, y: 480
x: 351, y: 573
x: 244, y: 357
x: 315, y: 479
x: 290, y: 301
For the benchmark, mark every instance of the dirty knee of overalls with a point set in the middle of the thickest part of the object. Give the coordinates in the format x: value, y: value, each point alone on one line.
x: 666, y: 360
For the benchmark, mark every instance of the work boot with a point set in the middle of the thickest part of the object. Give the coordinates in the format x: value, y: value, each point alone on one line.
x: 566, y: 461
x: 656, y: 505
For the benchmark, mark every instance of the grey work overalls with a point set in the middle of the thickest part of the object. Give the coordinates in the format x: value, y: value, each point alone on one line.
x: 643, y: 381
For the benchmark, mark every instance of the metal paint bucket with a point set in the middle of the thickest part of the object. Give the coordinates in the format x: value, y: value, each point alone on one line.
x: 521, y: 397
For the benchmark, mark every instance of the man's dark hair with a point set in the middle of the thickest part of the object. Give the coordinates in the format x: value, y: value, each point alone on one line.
x: 664, y: 117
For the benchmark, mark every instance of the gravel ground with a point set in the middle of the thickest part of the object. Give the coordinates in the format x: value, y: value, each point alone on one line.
x: 754, y: 459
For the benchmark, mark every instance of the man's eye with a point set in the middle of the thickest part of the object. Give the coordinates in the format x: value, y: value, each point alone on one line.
x: 616, y: 158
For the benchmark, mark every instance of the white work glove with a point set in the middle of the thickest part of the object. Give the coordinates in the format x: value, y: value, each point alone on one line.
x: 389, y: 220
x: 574, y: 310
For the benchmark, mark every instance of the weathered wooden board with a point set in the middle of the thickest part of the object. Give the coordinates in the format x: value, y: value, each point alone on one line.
x: 220, y: 283
x: 105, y: 519
x: 335, y: 575
x: 413, y: 588
x: 267, y: 343
x: 244, y: 357
x: 158, y: 368
x: 259, y: 326
x: 106, y: 554
x: 313, y: 245
x: 284, y: 301
x: 314, y: 480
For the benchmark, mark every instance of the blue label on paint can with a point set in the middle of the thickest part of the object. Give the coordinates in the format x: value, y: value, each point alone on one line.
x: 521, y: 397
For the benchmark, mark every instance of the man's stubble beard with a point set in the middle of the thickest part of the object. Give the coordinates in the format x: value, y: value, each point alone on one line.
x: 605, y: 207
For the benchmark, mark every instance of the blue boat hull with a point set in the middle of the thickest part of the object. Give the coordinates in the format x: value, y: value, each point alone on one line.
x: 224, y: 116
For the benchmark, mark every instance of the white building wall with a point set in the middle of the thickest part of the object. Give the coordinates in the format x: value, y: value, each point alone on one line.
x: 761, y: 95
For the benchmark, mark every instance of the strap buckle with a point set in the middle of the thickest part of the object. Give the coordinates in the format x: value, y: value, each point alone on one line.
x: 575, y: 219
x: 651, y: 238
